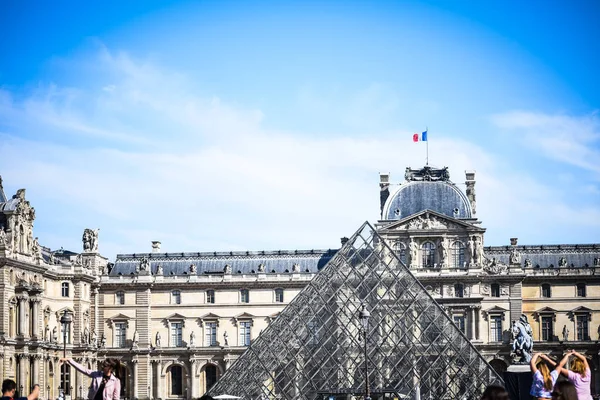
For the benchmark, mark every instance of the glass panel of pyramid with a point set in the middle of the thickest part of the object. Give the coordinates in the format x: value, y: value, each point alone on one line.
x: 315, y: 348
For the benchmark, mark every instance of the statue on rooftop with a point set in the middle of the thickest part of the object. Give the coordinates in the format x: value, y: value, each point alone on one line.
x: 90, y: 240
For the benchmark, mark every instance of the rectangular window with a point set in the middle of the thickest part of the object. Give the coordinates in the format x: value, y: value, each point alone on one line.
x: 120, y: 298
x: 496, y: 328
x: 581, y: 290
x: 210, y: 296
x: 176, y: 334
x: 459, y: 321
x: 582, y: 328
x: 120, y: 334
x: 65, y: 378
x: 495, y: 289
x: 279, y: 295
x: 210, y: 330
x: 176, y: 297
x: 546, y: 292
x: 244, y: 296
x: 547, y: 328
x: 245, y: 333
x: 65, y: 289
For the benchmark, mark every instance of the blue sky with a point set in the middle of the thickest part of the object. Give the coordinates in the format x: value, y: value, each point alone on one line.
x: 264, y: 125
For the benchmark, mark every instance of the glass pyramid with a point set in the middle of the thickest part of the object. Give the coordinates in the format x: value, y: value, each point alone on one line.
x: 316, y: 349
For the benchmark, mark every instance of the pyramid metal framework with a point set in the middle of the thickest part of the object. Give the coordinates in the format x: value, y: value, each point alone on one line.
x: 315, y: 347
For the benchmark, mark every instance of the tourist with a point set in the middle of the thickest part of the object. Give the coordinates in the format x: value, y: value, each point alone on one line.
x: 579, y: 374
x: 105, y: 385
x: 495, y: 392
x: 9, y: 388
x: 543, y: 379
x: 564, y: 390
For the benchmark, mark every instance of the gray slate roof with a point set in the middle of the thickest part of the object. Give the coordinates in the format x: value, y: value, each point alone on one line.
x: 413, y: 197
x: 548, y: 256
x: 309, y: 261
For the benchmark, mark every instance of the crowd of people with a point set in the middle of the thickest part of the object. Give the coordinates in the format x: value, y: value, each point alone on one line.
x: 546, y: 384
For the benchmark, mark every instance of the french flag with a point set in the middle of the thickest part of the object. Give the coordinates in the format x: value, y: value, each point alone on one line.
x: 420, y: 137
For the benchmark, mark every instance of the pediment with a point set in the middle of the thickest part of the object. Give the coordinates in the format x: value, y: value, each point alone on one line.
x: 581, y: 309
x: 546, y: 310
x: 120, y: 317
x: 495, y: 310
x: 210, y: 316
x: 175, y: 316
x: 431, y: 221
x: 244, y: 316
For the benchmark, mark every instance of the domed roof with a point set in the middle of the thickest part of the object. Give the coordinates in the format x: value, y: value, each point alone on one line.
x: 413, y: 197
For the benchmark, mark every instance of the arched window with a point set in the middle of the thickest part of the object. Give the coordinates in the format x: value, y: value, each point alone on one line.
x: 176, y: 373
x: 64, y: 289
x: 428, y: 252
x: 120, y: 297
x: 459, y: 290
x: 458, y: 255
x: 546, y: 291
x: 176, y: 297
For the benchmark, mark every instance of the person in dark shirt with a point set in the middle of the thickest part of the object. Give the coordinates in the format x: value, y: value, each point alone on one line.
x: 9, y: 388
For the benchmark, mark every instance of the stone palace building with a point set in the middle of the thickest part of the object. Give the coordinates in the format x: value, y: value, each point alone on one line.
x: 177, y: 321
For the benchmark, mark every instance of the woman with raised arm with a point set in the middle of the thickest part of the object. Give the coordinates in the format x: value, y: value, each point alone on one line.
x: 105, y: 385
x: 579, y: 374
x: 543, y: 379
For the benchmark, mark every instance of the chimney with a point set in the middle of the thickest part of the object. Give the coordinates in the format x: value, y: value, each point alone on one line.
x: 155, y: 246
x: 384, y: 186
x: 470, y: 192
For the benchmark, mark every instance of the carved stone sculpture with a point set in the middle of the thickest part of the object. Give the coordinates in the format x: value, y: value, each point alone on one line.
x: 562, y: 263
x: 413, y: 251
x: 159, y: 270
x: 444, y: 251
x: 193, y: 269
x: 225, y: 339
x: 86, y: 335
x: 94, y: 340
x: 227, y: 269
x: 471, y: 250
x: 522, y: 348
x: 515, y: 256
x: 261, y: 267
x: 90, y: 240
x: 527, y: 263
x: 54, y: 335
x: 192, y: 339
x: 136, y: 340
x: 144, y: 265
x: 296, y: 268
x: 157, y: 339
x: 565, y: 333
x: 478, y: 251
x: 103, y: 341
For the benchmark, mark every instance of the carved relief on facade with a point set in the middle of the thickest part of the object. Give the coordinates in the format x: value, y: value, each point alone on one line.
x: 90, y: 240
x: 494, y: 267
x: 428, y: 222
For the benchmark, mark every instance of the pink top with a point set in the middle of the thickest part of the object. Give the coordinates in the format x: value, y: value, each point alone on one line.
x: 582, y: 384
x: 112, y: 388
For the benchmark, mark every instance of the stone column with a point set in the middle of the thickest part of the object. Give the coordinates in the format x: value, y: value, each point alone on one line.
x: 159, y: 380
x: 22, y: 372
x: 473, y: 323
x: 35, y: 374
x: 194, y: 379
x: 35, y: 324
x: 135, y: 379
x: 23, y: 313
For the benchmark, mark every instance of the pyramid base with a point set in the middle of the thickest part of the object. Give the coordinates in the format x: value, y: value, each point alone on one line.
x: 517, y: 381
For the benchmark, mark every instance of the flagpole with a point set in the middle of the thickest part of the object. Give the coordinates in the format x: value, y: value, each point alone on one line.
x: 427, y: 145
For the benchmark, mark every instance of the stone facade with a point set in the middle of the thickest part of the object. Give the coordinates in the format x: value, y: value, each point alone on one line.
x: 179, y: 320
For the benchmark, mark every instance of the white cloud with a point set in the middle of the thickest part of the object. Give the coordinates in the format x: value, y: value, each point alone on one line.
x: 572, y: 140
x: 147, y: 156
